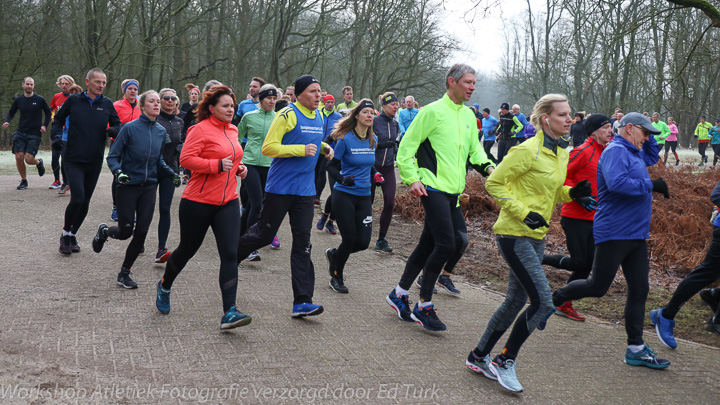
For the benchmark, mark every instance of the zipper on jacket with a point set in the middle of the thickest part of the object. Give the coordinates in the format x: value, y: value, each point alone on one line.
x: 227, y: 179
x: 204, y: 181
x: 147, y: 162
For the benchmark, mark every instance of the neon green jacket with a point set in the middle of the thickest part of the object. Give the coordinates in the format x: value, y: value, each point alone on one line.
x: 530, y: 178
x: 701, y: 131
x: 665, y: 132
x: 443, y: 136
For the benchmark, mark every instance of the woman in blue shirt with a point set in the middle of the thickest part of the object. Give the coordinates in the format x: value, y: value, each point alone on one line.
x: 352, y: 169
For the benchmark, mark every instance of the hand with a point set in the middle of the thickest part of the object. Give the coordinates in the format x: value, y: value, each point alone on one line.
x: 534, y: 220
x: 242, y: 171
x: 418, y: 189
x: 582, y: 189
x: 589, y: 202
x: 43, y: 129
x: 490, y: 170
x: 310, y: 149
x: 329, y: 153
x: 122, y: 178
x: 7, y: 124
x: 348, y: 181
x: 464, y: 199
x: 659, y: 186
x: 379, y: 179
x: 176, y: 181
x: 227, y: 164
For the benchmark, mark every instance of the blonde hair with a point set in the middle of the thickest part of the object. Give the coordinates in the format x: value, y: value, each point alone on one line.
x: 545, y: 105
x: 67, y: 78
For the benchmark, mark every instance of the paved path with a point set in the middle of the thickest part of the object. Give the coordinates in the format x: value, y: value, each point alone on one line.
x: 69, y: 334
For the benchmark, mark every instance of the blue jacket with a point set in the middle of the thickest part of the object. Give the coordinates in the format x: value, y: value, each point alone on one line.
x: 406, y: 117
x: 138, y: 152
x: 714, y: 135
x: 488, y: 127
x: 330, y: 118
x: 624, y: 191
x: 524, y: 122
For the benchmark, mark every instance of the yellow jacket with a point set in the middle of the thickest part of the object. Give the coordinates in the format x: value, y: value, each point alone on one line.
x: 530, y: 178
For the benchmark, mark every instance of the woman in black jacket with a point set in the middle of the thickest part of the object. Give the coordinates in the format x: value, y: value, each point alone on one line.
x: 386, y: 129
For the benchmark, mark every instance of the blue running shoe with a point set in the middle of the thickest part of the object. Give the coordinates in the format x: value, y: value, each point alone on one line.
x: 645, y: 357
x: 233, y: 319
x: 505, y: 373
x: 162, y: 301
x: 306, y: 309
x: 663, y: 328
x: 428, y: 318
x: 114, y: 214
x: 401, y: 305
x: 481, y: 366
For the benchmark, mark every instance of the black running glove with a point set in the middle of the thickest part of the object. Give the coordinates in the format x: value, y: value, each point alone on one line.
x: 122, y: 178
x: 589, y: 202
x: 582, y: 189
x: 534, y: 220
x: 659, y: 186
x: 348, y: 181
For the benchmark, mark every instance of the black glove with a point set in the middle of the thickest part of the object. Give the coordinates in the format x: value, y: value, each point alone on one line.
x: 176, y: 181
x: 659, y: 186
x: 589, y: 202
x: 534, y: 220
x: 57, y: 143
x: 582, y: 189
x: 122, y: 178
x: 348, y: 181
x: 178, y: 147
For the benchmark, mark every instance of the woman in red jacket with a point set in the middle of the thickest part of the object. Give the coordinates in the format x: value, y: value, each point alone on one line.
x: 212, y: 152
x: 576, y: 219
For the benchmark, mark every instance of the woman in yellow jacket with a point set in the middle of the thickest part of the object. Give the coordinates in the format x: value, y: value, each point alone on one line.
x: 527, y: 185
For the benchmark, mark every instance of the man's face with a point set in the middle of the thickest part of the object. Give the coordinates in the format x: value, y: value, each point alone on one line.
x: 96, y: 84
x: 64, y: 85
x: 463, y: 88
x: 28, y: 85
x: 310, y: 98
x: 323, y: 93
x: 485, y: 114
x: 702, y: 120
x: 620, y: 115
x: 290, y: 91
x: 636, y: 135
x: 655, y: 118
x: 254, y: 88
x: 348, y: 96
x: 504, y: 111
x: 330, y: 105
x: 516, y: 110
x: 410, y: 102
x: 603, y: 134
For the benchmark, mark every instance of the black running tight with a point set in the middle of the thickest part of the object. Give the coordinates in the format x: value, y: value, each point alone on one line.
x: 166, y: 191
x: 580, y: 244
x: 134, y: 202
x: 354, y: 219
x: 389, y: 188
x: 254, y: 184
x: 82, y: 178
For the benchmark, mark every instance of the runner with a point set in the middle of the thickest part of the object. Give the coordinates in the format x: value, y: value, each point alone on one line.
x: 64, y: 82
x: 664, y: 131
x: 27, y: 137
x: 59, y: 142
x: 330, y: 118
x: 348, y: 103
x: 386, y: 129
x: 89, y: 115
x: 210, y: 200
x: 173, y: 124
x: 136, y: 161
x: 443, y: 137
x: 508, y: 126
x: 577, y: 219
x: 714, y: 134
x: 294, y: 141
x: 250, y: 104
x: 621, y: 226
x: 520, y: 135
x: 352, y: 169
x: 127, y: 110
x: 193, y: 97
x: 701, y: 134
x: 577, y: 130
x: 254, y: 127
x: 407, y: 115
x: 489, y: 123
x: 671, y: 141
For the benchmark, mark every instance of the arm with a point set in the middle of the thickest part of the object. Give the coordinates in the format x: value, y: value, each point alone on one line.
x: 47, y: 111
x: 335, y: 166
x: 242, y: 128
x: 114, y: 122
x: 416, y: 134
x: 614, y: 169
x: 478, y: 158
x: 13, y: 110
x: 518, y: 126
x: 59, y: 119
x: 651, y: 151
x: 114, y: 158
x: 283, y: 122
x: 401, y: 123
x: 715, y: 195
x: 514, y: 165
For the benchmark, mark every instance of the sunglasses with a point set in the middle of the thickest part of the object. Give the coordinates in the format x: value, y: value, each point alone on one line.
x: 168, y: 98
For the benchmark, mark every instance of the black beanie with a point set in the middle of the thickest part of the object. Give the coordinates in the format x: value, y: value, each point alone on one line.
x: 487, y: 110
x: 302, y: 83
x: 595, y: 122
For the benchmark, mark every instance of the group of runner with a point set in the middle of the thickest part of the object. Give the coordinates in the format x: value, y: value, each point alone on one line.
x: 278, y: 151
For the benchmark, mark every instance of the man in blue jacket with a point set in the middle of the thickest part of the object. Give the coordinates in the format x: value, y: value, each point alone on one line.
x: 407, y: 115
x: 520, y: 136
x: 489, y: 123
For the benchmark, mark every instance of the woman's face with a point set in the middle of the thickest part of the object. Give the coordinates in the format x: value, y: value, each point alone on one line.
x: 391, y: 108
x: 131, y: 93
x: 365, y: 116
x: 268, y: 103
x: 194, y: 95
x: 167, y: 103
x: 559, y: 120
x: 151, y: 108
x: 671, y: 121
x: 224, y: 109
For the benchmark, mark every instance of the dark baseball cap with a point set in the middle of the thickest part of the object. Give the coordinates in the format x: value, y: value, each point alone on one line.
x: 640, y: 120
x: 504, y: 106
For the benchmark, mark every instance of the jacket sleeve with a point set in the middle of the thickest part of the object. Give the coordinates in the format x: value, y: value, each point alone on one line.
x: 114, y: 121
x: 242, y: 128
x: 614, y: 166
x: 283, y: 122
x: 48, y: 113
x: 114, y: 158
x: 416, y: 134
x: 478, y: 158
x: 401, y: 124
x: 715, y: 195
x: 190, y: 155
x: 651, y: 151
x: 163, y: 169
x: 13, y: 109
x: 498, y: 184
x: 518, y: 126
x: 59, y: 120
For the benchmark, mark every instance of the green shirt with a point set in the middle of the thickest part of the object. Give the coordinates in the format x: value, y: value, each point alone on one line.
x: 345, y: 106
x: 664, y: 132
x: 254, y: 126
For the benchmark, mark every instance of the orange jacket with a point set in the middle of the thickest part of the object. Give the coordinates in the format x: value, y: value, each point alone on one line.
x: 127, y: 112
x: 206, y: 144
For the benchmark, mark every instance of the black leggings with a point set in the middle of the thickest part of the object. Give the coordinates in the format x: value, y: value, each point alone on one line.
x: 328, y: 202
x: 702, y: 146
x: 504, y: 145
x: 580, y: 244
x: 195, y: 219
x: 438, y: 242
x: 254, y: 184
x: 55, y: 164
x: 320, y: 177
x: 716, y: 150
x: 487, y: 145
x: 82, y: 178
x: 633, y: 256
x: 389, y: 188
x: 354, y: 219
x: 134, y: 201
x: 166, y: 191
x: 704, y: 274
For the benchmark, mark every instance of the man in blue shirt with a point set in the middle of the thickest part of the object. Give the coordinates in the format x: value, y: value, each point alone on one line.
x: 489, y: 123
x: 406, y: 116
x: 251, y: 104
x: 520, y: 136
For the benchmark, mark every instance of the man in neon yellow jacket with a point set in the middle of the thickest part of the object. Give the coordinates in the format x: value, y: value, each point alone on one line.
x: 443, y: 137
x: 701, y: 133
x: 663, y: 127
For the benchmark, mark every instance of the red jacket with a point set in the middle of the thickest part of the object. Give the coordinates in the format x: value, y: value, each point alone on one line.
x: 127, y: 112
x: 583, y: 165
x: 206, y: 144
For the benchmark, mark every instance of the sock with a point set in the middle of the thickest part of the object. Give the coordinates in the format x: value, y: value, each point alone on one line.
x: 422, y: 304
x: 66, y: 233
x: 636, y: 348
x: 399, y: 291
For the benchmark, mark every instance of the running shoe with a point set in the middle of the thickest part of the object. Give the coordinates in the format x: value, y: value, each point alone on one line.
x: 383, y: 246
x: 23, y: 185
x: 338, y: 284
x: 321, y: 223
x: 713, y: 326
x: 427, y: 317
x: 306, y: 309
x: 124, y: 279
x: 663, y: 328
x: 329, y: 256
x: 162, y: 300
x: 162, y: 256
x: 64, y: 189
x: 401, y: 305
x: 568, y: 311
x: 677, y: 162
x: 317, y: 201
x: 481, y: 366
x: 114, y: 214
x: 254, y: 257
x: 418, y: 283
x: 41, y: 168
x: 275, y: 243
x: 645, y: 357
x: 505, y: 373
x: 65, y: 246
x: 74, y: 247
x: 330, y: 228
x: 55, y: 185
x: 233, y: 319
x: 445, y: 281
x: 100, y: 238
x: 711, y: 297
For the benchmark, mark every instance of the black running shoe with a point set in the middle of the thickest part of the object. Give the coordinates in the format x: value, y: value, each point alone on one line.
x: 23, y: 185
x: 427, y: 317
x: 337, y: 284
x: 65, y: 245
x: 124, y: 279
x: 711, y: 297
x: 74, y: 245
x: 329, y: 255
x: 41, y: 168
x: 100, y: 237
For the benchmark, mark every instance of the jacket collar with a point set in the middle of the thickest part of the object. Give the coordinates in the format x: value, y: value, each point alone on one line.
x: 166, y: 115
x: 217, y: 123
x: 450, y: 103
x: 306, y: 111
x: 145, y: 119
x: 624, y: 142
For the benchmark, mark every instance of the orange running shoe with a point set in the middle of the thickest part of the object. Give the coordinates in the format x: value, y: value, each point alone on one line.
x: 567, y: 311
